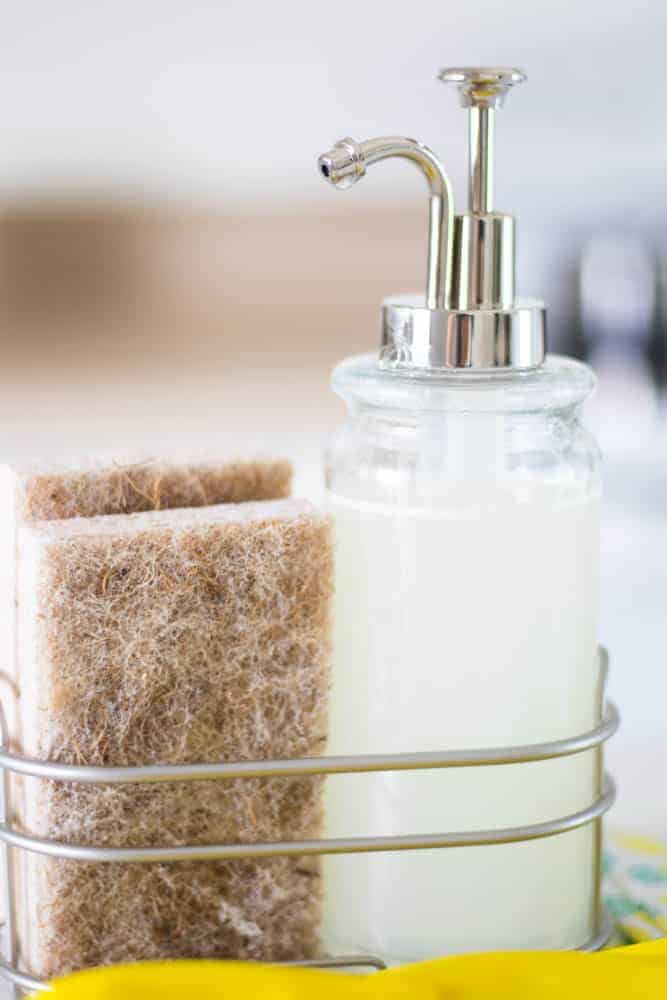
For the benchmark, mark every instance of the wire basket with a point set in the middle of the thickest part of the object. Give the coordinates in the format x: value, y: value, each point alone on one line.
x: 12, y: 839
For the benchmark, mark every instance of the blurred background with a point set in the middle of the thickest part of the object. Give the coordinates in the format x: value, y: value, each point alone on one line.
x: 173, y: 269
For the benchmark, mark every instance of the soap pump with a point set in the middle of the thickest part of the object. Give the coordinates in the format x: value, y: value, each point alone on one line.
x: 465, y: 493
x: 469, y: 316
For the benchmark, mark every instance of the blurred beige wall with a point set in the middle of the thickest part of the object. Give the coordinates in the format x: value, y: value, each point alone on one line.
x: 123, y: 327
x: 132, y: 289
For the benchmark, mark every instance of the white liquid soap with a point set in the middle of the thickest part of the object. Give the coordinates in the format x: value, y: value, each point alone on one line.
x: 432, y: 652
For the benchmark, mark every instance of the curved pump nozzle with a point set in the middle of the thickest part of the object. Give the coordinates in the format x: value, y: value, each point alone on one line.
x: 345, y: 163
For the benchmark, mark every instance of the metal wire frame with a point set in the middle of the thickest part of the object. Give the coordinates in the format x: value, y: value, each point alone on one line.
x: 11, y: 838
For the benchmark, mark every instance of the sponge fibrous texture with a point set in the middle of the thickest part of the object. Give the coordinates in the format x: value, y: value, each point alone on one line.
x: 166, y: 637
x: 51, y: 493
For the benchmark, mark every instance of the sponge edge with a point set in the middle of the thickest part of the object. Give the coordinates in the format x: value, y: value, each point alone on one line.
x: 174, y: 636
x: 128, y: 485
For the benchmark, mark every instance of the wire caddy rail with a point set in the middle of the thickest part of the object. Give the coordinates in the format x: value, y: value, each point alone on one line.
x: 12, y: 839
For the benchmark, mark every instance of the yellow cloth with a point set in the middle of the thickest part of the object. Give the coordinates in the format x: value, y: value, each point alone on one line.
x: 634, y: 971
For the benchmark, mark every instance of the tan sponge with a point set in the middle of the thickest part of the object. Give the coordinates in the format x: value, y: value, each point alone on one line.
x: 172, y: 636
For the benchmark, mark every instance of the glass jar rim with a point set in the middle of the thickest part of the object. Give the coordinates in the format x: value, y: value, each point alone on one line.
x: 559, y: 383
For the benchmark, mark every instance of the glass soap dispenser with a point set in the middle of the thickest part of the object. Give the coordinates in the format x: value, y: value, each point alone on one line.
x: 466, y: 498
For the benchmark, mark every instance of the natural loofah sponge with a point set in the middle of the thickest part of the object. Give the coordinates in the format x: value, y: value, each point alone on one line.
x: 174, y: 636
x: 88, y: 487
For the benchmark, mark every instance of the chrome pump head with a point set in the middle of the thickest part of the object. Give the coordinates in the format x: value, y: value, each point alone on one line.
x: 469, y: 317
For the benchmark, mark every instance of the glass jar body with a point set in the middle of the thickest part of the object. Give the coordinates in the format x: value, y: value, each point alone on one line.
x: 466, y: 511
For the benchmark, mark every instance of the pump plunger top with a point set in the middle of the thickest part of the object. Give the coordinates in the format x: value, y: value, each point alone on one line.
x: 482, y: 91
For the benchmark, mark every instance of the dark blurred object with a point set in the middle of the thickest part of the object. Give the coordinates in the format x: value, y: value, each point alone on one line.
x: 658, y: 342
x: 617, y: 317
x: 617, y: 294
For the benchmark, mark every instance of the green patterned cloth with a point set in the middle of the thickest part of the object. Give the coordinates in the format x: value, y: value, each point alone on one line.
x: 635, y: 885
